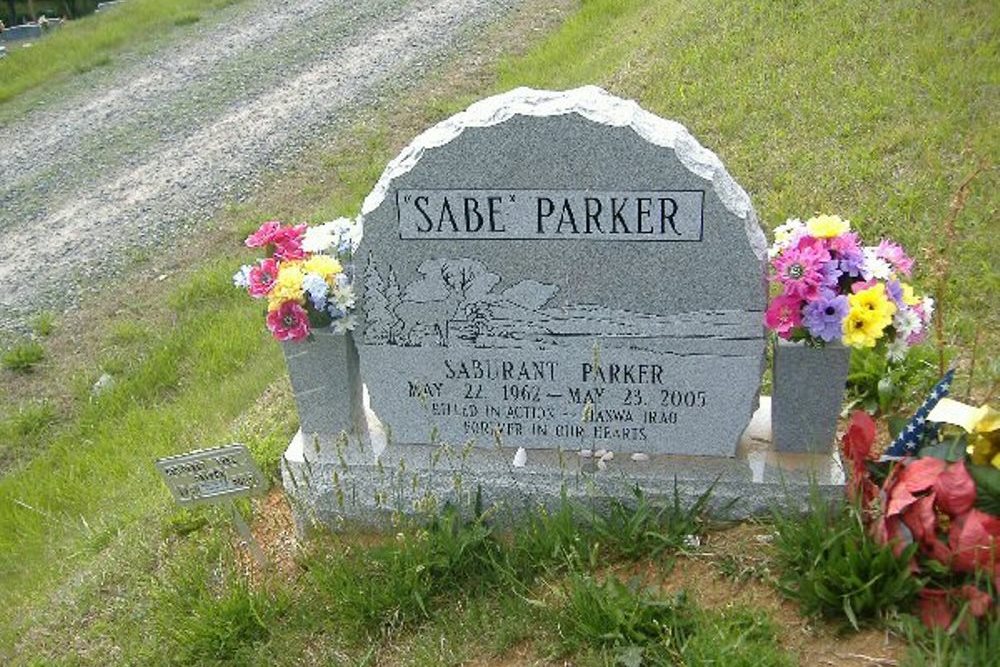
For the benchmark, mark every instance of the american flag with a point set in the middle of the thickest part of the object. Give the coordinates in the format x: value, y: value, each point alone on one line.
x: 916, y: 429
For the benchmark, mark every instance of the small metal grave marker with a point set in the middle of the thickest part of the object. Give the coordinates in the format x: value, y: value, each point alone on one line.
x: 216, y: 475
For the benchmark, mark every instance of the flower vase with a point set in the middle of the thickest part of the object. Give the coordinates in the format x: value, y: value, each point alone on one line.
x: 808, y: 395
x: 326, y: 380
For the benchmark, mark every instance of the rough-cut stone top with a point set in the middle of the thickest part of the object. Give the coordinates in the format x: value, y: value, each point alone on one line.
x: 594, y: 104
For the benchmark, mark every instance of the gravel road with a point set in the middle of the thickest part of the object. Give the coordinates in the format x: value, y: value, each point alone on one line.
x: 126, y: 158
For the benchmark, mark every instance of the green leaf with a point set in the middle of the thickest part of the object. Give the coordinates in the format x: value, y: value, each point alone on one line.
x: 950, y: 451
x: 987, y: 480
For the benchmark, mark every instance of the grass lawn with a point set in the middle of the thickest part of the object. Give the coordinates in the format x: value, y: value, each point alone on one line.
x: 877, y: 112
x: 94, y: 41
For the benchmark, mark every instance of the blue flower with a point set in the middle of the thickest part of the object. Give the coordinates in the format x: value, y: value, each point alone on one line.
x: 316, y: 289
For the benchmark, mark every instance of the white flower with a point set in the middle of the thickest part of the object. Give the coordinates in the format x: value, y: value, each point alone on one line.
x: 897, y: 349
x: 906, y: 323
x: 344, y: 297
x: 784, y: 233
x: 928, y: 309
x: 343, y: 324
x: 242, y: 277
x: 319, y: 238
x: 873, y: 266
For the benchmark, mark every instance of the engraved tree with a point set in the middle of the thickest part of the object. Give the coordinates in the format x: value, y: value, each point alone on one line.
x: 378, y: 316
x: 394, y: 297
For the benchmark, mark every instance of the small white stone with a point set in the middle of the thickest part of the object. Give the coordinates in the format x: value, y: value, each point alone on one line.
x: 640, y: 456
x: 103, y: 383
x: 520, y: 458
x: 608, y: 456
x: 585, y: 453
x: 600, y: 453
x: 766, y: 538
x: 692, y: 541
x: 601, y: 465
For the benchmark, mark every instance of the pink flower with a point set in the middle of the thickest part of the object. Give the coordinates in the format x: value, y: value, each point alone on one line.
x: 800, y: 269
x: 955, y: 490
x: 845, y: 243
x: 862, y: 285
x: 895, y: 255
x: 288, y: 242
x: 784, y: 314
x: 289, y: 322
x: 262, y: 277
x: 264, y: 234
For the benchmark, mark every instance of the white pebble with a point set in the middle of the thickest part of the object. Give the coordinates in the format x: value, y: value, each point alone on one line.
x: 640, y: 456
x: 585, y: 453
x: 520, y: 457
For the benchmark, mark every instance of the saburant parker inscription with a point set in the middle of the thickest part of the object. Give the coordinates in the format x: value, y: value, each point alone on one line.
x: 664, y: 215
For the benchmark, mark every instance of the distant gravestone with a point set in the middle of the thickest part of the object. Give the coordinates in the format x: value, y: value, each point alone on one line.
x: 562, y: 270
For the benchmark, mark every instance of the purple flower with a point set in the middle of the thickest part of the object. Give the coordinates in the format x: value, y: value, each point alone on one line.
x: 831, y: 274
x: 850, y: 262
x: 895, y: 292
x: 823, y: 316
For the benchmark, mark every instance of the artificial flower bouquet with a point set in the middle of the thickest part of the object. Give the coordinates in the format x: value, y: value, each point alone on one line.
x: 834, y: 289
x: 307, y: 277
x: 943, y: 495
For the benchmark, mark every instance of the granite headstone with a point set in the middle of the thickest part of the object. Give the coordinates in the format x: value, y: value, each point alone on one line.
x: 562, y: 270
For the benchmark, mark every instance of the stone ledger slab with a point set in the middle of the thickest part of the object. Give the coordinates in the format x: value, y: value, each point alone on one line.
x: 562, y: 270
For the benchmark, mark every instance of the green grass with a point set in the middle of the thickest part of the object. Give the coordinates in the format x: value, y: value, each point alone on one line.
x: 634, y: 626
x: 23, y: 357
x: 833, y: 568
x: 95, y: 41
x: 872, y: 111
x: 876, y: 112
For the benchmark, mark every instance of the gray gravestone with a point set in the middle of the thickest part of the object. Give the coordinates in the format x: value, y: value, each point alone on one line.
x: 562, y: 270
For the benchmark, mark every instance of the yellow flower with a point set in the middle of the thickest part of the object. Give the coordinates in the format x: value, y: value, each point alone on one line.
x: 876, y: 303
x: 982, y: 424
x: 827, y: 226
x: 910, y: 297
x: 288, y: 285
x: 322, y: 265
x: 860, y: 328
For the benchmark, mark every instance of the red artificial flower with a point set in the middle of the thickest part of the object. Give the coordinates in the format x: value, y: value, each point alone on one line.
x: 860, y: 436
x: 857, y: 446
x: 955, y: 490
x: 288, y: 242
x: 264, y: 234
x: 288, y: 322
x: 262, y: 277
x: 974, y: 539
x: 980, y: 602
x: 921, y: 474
x: 935, y: 612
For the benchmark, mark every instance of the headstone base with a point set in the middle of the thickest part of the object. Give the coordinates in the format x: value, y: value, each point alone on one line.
x: 342, y: 482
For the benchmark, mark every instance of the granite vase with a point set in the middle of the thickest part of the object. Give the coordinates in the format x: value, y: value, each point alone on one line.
x: 326, y: 380
x: 808, y: 395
